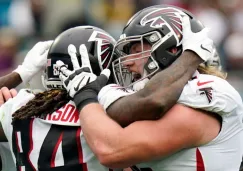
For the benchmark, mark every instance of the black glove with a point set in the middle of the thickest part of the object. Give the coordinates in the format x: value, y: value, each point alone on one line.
x: 88, y: 94
x: 81, y: 83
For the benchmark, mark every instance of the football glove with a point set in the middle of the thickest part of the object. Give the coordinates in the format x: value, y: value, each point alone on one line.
x: 82, y: 85
x: 198, y: 42
x: 34, y: 61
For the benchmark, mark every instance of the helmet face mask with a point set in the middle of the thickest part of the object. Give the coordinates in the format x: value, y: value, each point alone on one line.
x: 161, y: 27
x: 99, y: 45
x: 122, y: 51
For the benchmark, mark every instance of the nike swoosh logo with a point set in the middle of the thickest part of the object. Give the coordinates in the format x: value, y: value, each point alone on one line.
x: 77, y: 87
x: 205, y: 48
x: 203, y: 83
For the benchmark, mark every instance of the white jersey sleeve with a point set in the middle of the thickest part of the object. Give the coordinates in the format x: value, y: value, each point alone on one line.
x: 210, y: 93
x: 112, y: 92
x: 9, y: 108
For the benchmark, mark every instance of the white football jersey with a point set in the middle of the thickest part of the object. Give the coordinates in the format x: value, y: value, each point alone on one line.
x: 55, y: 141
x: 223, y: 153
x: 6, y: 157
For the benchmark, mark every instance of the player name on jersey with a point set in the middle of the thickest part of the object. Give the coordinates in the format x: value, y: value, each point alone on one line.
x: 67, y: 115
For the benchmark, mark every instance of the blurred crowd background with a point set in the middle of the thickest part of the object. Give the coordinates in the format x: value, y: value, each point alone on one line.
x: 25, y: 22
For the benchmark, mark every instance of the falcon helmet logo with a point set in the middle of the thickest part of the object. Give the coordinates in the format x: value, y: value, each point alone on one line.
x: 104, y: 47
x: 168, y: 16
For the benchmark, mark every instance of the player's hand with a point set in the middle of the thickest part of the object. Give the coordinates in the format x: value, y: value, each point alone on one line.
x: 34, y: 61
x: 75, y: 80
x: 198, y: 42
x: 81, y: 83
x: 6, y: 94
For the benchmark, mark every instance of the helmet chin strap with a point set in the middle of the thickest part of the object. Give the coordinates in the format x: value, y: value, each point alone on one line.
x: 140, y: 84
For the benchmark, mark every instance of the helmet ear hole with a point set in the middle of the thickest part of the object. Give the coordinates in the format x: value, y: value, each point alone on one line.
x: 174, y: 49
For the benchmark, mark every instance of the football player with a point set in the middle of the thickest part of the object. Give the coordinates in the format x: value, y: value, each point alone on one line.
x: 34, y: 61
x: 50, y: 117
x: 184, y: 138
x: 43, y: 129
x: 54, y: 138
x: 100, y: 46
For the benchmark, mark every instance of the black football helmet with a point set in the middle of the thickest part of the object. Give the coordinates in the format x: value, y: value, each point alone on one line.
x: 161, y: 27
x: 99, y: 46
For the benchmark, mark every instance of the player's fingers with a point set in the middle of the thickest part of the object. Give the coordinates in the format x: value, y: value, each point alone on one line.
x: 65, y: 71
x: 186, y: 25
x: 59, y: 64
x: 42, y: 47
x: 44, y: 60
x: 1, y: 98
x: 13, y: 92
x: 104, y: 77
x: 62, y: 68
x: 73, y: 54
x: 47, y: 45
x: 6, y: 93
x: 106, y: 72
x: 84, y: 57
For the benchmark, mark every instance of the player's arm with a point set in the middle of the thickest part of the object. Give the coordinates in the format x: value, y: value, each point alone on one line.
x: 164, y: 89
x: 181, y: 127
x: 34, y: 61
x: 116, y: 146
x: 159, y: 94
x: 11, y: 80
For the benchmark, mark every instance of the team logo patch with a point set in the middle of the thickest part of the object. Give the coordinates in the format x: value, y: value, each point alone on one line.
x: 208, y: 92
x: 104, y: 47
x: 165, y: 16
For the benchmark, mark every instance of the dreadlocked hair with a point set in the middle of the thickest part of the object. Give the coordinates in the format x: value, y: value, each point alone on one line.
x: 43, y: 103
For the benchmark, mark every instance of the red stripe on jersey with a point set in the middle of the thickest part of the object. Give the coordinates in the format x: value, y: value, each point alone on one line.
x: 85, y: 168
x: 80, y: 151
x: 31, y: 143
x: 17, y: 141
x: 53, y: 156
x: 200, y: 163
